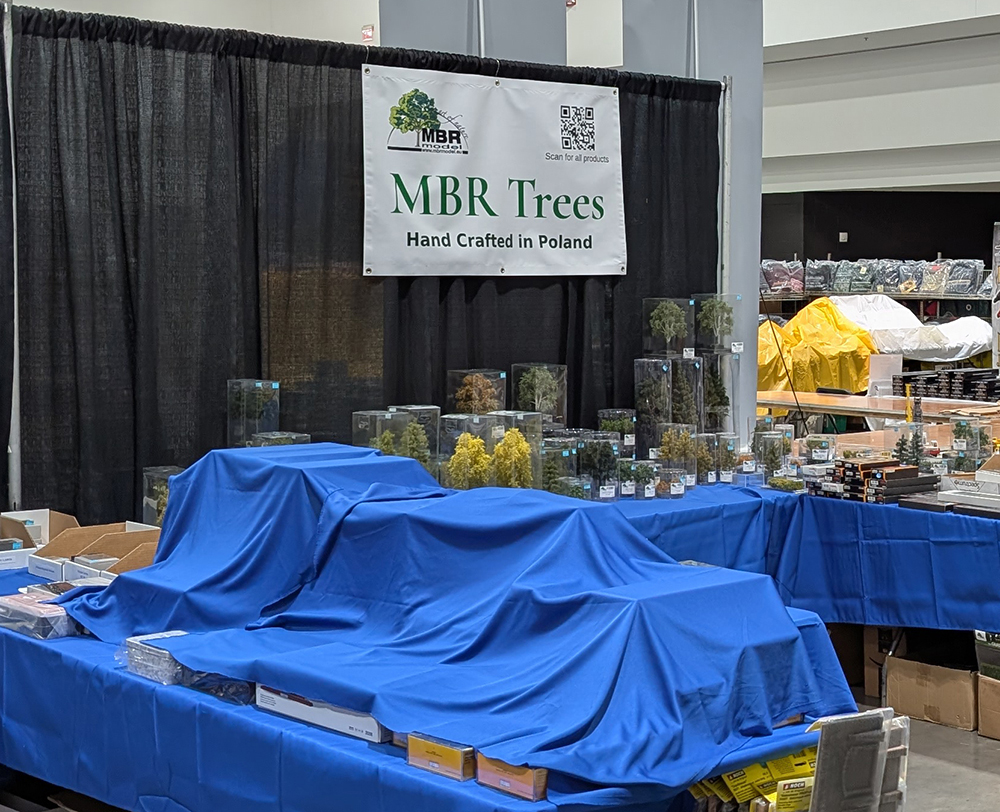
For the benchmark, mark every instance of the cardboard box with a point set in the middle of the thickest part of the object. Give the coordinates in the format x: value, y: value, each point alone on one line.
x: 989, y: 707
x: 524, y: 782
x: 35, y: 527
x: 115, y: 540
x: 877, y: 642
x: 450, y: 759
x: 340, y: 720
x: 794, y: 795
x: 934, y: 693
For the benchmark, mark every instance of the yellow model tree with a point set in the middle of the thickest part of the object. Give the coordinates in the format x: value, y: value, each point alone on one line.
x: 512, y: 461
x: 470, y: 466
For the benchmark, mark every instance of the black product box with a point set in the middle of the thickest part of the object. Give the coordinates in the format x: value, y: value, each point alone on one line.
x: 988, y: 653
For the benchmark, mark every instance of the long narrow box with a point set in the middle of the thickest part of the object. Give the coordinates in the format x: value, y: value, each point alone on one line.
x: 340, y: 720
x: 440, y: 756
x: 524, y: 782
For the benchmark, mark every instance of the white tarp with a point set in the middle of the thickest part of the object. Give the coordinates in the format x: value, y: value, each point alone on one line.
x: 475, y: 175
x: 895, y: 329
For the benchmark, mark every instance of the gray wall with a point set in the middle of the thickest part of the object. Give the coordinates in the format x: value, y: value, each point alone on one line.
x: 524, y: 30
x: 659, y: 38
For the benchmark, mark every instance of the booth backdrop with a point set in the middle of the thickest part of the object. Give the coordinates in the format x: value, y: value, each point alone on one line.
x: 190, y: 209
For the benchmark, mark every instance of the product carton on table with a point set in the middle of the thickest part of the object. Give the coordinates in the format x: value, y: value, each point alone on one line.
x: 341, y: 720
x: 524, y: 782
x: 34, y: 529
x: 116, y: 539
x: 934, y: 693
x: 989, y: 707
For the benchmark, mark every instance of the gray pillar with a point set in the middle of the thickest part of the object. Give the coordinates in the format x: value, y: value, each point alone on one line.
x: 660, y: 38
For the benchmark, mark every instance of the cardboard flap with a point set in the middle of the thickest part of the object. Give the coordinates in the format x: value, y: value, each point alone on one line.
x: 141, y: 556
x: 75, y: 540
x: 119, y: 545
x: 60, y: 522
x: 14, y: 529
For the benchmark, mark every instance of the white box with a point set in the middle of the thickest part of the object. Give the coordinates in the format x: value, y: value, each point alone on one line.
x: 359, y: 725
x: 41, y: 525
x: 15, y: 559
x: 74, y: 571
x: 49, y: 568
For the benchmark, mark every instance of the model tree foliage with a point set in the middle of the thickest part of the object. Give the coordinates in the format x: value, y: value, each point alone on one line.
x: 385, y: 442
x: 667, y: 321
x: 598, y: 461
x: 716, y: 317
x: 642, y: 474
x: 652, y: 404
x: 727, y: 457
x: 415, y: 111
x: 476, y: 395
x: 537, y: 391
x: 470, y: 466
x: 413, y: 443
x: 512, y: 461
x: 685, y: 408
x: 705, y: 460
x: 772, y: 458
x: 623, y: 425
x: 552, y: 470
x: 677, y: 448
x: 626, y: 472
x: 716, y: 401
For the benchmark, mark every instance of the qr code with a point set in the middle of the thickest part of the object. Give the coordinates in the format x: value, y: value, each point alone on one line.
x: 576, y: 126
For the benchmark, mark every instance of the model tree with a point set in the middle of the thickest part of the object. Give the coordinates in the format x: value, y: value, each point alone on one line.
x: 552, y: 471
x: 642, y: 475
x: 772, y: 458
x: 537, y: 391
x: 598, y: 461
x: 916, y: 447
x: 476, y: 395
x: 512, y: 461
x: 470, y: 466
x: 385, y: 443
x: 677, y: 448
x: 413, y: 443
x: 685, y: 410
x: 716, y: 317
x: 667, y: 321
x: 716, y: 401
x: 626, y: 472
x: 651, y: 405
x: 727, y: 457
x: 705, y: 460
x: 415, y: 111
x: 623, y: 425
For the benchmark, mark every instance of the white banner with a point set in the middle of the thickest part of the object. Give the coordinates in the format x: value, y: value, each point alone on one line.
x: 474, y: 175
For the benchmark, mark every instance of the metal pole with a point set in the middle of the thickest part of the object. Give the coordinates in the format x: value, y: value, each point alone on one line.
x: 482, y: 29
x: 694, y: 19
x: 727, y: 184
x: 14, y: 458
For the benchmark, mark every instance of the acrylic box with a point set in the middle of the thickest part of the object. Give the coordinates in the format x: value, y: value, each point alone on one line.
x: 678, y: 449
x: 768, y: 448
x: 714, y: 319
x: 820, y: 448
x: 477, y: 391
x: 667, y: 326
x: 672, y: 483
x: 645, y: 476
x: 728, y: 450
x: 687, y: 398
x: 467, y: 445
x: 559, y: 460
x: 155, y: 491
x: 598, y: 460
x: 626, y: 478
x: 265, y: 439
x: 380, y: 429
x: 622, y: 421
x: 653, y: 385
x: 517, y: 458
x: 252, y: 408
x: 707, y: 454
x: 422, y: 437
x: 971, y: 443
x: 721, y: 377
x: 540, y: 388
x: 906, y: 442
x: 578, y: 487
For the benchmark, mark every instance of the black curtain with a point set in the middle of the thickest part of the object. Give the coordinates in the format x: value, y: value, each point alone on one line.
x: 191, y: 209
x: 6, y: 279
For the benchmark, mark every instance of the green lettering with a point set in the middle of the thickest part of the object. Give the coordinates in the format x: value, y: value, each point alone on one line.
x: 562, y: 200
x: 598, y: 208
x: 582, y: 200
x: 520, y: 193
x: 480, y: 196
x: 450, y: 194
x: 540, y: 211
x: 412, y: 201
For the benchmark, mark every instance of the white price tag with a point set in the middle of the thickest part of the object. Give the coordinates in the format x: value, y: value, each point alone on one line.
x: 690, y: 480
x: 629, y: 440
x: 737, y: 346
x: 726, y: 477
x: 499, y: 432
x: 607, y: 491
x: 750, y: 467
x: 821, y: 454
x: 940, y: 468
x: 676, y: 488
x: 628, y: 489
x: 654, y: 453
x: 711, y: 477
x: 649, y: 491
x: 960, y: 445
x: 688, y: 353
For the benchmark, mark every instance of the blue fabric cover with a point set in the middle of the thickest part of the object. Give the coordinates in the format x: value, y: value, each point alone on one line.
x: 540, y: 629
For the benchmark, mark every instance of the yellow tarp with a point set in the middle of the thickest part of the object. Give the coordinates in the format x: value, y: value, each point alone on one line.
x: 820, y: 347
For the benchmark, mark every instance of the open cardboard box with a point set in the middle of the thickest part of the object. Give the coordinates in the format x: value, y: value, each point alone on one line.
x: 989, y: 707
x: 934, y: 693
x: 117, y: 539
x: 34, y: 529
x: 141, y: 556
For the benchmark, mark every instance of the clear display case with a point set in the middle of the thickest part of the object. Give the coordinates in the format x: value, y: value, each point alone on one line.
x: 34, y: 616
x: 467, y: 445
x: 645, y: 477
x: 906, y: 442
x: 156, y: 491
x: 788, y: 433
x: 687, y: 398
x: 576, y: 435
x: 252, y: 408
x: 971, y: 443
x: 768, y: 447
x: 517, y: 458
x: 668, y: 326
x: 728, y: 446
x: 722, y: 391
x: 707, y: 453
x: 265, y: 439
x: 819, y: 448
x: 559, y: 460
x: 578, y: 487
x: 714, y: 320
x: 678, y: 449
x: 653, y: 385
x: 422, y: 438
x: 622, y: 421
x: 541, y: 388
x: 380, y: 429
x: 477, y: 391
x: 598, y: 460
x: 672, y: 483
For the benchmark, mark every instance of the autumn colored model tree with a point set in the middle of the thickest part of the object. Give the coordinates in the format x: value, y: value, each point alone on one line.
x: 476, y: 395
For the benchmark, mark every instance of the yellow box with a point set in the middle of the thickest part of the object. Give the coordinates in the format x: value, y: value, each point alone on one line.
x: 525, y: 782
x: 399, y: 739
x: 697, y: 791
x: 794, y: 795
x: 745, y: 784
x: 439, y: 756
x: 718, y: 787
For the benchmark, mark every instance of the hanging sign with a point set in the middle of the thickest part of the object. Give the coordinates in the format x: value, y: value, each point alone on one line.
x: 475, y: 175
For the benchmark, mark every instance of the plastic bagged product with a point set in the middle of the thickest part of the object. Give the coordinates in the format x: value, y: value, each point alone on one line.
x: 820, y: 275
x: 783, y: 276
x: 911, y: 275
x: 854, y: 277
x: 34, y: 616
x: 964, y: 276
x: 886, y: 275
x: 935, y: 278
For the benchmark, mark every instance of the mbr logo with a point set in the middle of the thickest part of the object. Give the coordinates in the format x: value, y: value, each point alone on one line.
x: 418, y: 125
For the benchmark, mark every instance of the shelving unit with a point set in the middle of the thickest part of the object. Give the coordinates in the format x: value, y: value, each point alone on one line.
x: 790, y: 303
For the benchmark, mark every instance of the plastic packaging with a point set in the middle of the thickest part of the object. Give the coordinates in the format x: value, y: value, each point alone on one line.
x: 728, y: 446
x: 578, y: 487
x: 252, y: 407
x: 599, y: 462
x: 935, y: 278
x: 653, y: 384
x: 768, y: 448
x: 678, y: 449
x: 905, y: 442
x: 721, y: 391
x: 645, y: 477
x: 622, y: 421
x: 477, y: 391
x: 820, y: 275
x: 820, y: 447
x: 156, y: 491
x: 467, y: 445
x: 537, y: 387
x: 380, y: 429
x: 707, y: 453
x: 421, y: 440
x: 783, y: 276
x: 714, y: 320
x: 518, y: 464
x: 559, y: 460
x: 264, y: 439
x: 672, y: 484
x: 668, y: 326
x: 850, y: 762
x: 964, y: 276
x: 687, y: 398
x: 34, y: 616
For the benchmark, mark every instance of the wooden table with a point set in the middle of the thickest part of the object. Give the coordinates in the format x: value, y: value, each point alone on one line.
x: 935, y: 409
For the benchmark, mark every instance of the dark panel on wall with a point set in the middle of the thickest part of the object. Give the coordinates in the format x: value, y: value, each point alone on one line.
x: 781, y: 227
x: 900, y: 225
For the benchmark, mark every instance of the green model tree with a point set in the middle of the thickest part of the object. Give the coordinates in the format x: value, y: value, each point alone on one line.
x: 625, y: 471
x: 916, y: 447
x: 512, y: 461
x: 705, y: 461
x: 415, y: 111
x: 652, y: 406
x: 537, y: 391
x: 772, y: 458
x: 716, y: 401
x: 902, y: 451
x: 642, y: 475
x: 476, y: 395
x: 667, y: 321
x: 727, y: 457
x: 413, y: 443
x: 385, y: 443
x: 716, y: 317
x: 552, y: 470
x: 598, y: 461
x: 685, y: 409
x: 677, y: 448
x: 623, y: 425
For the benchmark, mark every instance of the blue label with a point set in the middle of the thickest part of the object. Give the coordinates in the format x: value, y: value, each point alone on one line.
x: 503, y: 374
